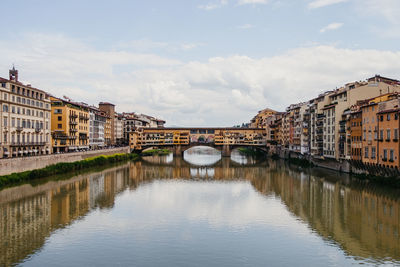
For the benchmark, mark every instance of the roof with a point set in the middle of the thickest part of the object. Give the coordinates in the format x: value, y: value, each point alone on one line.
x: 389, y: 111
x: 106, y: 103
x: 21, y: 84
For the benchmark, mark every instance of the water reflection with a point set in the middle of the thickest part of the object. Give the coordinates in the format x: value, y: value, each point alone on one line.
x: 202, y: 155
x: 235, y: 214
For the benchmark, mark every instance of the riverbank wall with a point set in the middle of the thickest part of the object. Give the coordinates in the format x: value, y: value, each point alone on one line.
x: 346, y: 166
x: 11, y: 165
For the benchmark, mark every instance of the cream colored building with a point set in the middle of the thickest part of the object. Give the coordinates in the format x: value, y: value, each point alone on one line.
x: 333, y: 104
x: 25, y: 119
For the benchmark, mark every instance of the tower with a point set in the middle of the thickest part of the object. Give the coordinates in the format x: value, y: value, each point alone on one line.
x: 13, y: 74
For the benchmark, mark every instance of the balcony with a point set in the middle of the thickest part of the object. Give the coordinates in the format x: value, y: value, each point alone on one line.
x: 73, y: 116
x: 37, y: 130
x: 19, y: 128
x: 73, y: 130
x: 73, y: 123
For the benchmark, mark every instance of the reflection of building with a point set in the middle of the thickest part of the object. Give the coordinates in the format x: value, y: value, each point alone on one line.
x: 28, y: 215
x: 363, y: 222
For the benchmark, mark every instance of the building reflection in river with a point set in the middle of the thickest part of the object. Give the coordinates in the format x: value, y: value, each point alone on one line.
x: 363, y: 221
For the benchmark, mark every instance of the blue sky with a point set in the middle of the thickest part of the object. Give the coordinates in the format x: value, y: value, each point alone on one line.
x: 202, y: 62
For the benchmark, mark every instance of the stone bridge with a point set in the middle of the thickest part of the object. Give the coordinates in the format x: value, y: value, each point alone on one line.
x: 180, y: 139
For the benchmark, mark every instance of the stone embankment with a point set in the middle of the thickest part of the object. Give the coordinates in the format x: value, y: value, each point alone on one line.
x: 11, y: 165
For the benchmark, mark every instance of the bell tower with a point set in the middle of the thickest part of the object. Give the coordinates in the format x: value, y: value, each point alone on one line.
x: 13, y: 74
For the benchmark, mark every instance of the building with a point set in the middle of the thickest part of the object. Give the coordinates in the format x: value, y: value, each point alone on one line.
x: 69, y: 125
x: 356, y: 133
x: 119, y: 129
x: 109, y: 109
x: 97, y: 121
x: 388, y: 127
x: 260, y: 120
x: 25, y: 119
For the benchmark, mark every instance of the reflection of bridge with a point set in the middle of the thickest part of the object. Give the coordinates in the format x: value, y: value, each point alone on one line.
x: 180, y: 139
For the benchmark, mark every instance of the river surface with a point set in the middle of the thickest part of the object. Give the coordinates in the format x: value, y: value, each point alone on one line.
x: 200, y: 210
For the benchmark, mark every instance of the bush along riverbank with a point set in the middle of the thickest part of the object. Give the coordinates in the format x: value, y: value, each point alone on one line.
x: 152, y: 152
x: 65, y: 167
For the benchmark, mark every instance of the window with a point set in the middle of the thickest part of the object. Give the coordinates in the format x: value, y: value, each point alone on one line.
x: 13, y: 109
x: 59, y: 126
x: 5, y: 96
x: 366, y: 152
x: 381, y: 134
x: 3, y: 85
x: 388, y: 117
x: 59, y: 118
x: 391, y: 155
x: 5, y: 108
x: 373, y: 152
x: 58, y: 111
x: 12, y: 122
x: 5, y: 122
x: 388, y: 134
x: 385, y: 154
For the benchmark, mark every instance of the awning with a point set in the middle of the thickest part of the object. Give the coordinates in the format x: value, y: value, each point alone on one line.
x: 6, y: 153
x: 25, y: 151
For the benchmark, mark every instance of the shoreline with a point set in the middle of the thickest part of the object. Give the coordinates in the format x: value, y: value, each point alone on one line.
x: 65, y: 167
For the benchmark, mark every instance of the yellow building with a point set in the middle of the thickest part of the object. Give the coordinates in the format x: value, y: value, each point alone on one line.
x: 69, y: 125
x: 260, y: 120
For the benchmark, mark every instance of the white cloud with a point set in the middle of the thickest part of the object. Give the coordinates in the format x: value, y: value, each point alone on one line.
x: 246, y: 26
x: 247, y: 2
x: 323, y: 3
x: 331, y: 27
x: 214, y: 5
x: 222, y: 91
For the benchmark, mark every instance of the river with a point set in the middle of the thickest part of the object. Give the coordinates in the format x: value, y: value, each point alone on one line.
x: 200, y: 210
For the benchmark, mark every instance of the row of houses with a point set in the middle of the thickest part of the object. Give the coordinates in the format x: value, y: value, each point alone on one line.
x: 358, y: 122
x: 33, y: 122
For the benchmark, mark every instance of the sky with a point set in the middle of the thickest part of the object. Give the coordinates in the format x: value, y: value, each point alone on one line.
x: 198, y: 62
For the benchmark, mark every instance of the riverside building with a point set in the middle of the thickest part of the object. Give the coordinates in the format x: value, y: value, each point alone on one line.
x: 97, y: 121
x: 25, y: 119
x: 69, y: 125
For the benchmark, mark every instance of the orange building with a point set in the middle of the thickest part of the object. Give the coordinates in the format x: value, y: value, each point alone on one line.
x: 369, y: 133
x: 356, y: 134
x: 388, y: 121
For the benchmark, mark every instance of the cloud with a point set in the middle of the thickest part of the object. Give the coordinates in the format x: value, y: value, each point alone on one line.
x: 386, y: 11
x: 331, y: 27
x: 144, y: 45
x: 246, y: 26
x: 247, y: 2
x: 323, y: 3
x: 214, y: 5
x: 220, y: 91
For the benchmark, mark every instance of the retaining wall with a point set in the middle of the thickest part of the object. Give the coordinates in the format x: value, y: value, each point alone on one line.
x: 11, y: 165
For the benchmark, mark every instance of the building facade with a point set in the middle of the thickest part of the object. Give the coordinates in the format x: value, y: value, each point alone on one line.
x: 25, y: 119
x: 69, y: 125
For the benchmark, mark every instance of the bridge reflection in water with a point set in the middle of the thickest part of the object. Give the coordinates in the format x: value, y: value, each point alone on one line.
x: 363, y: 221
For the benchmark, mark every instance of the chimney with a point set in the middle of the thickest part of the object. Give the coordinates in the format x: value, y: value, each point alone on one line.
x: 13, y: 74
